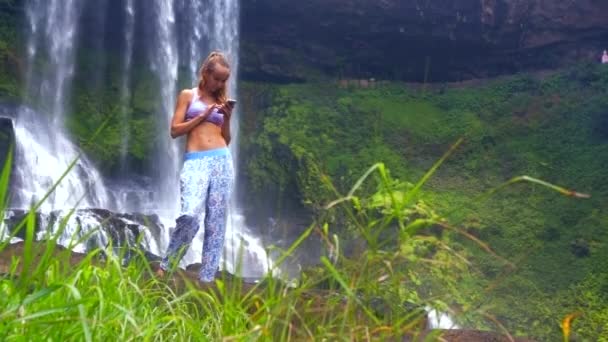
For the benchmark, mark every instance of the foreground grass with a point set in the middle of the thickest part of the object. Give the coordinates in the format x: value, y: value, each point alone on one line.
x: 48, y: 291
x: 63, y: 296
x: 379, y: 293
x: 97, y: 302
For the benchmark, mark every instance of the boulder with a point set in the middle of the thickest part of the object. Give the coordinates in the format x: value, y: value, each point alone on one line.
x: 88, y: 229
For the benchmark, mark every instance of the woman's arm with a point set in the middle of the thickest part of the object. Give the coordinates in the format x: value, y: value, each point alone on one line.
x: 226, y: 131
x: 178, y: 126
x: 226, y: 126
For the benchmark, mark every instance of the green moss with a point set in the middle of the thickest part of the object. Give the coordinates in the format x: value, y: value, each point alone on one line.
x: 94, y: 107
x: 10, y: 60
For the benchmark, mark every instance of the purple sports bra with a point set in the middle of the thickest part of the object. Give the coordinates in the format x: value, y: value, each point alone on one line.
x: 198, y: 107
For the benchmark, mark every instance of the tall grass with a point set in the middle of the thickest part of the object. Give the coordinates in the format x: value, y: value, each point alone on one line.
x: 51, y: 292
x: 375, y: 293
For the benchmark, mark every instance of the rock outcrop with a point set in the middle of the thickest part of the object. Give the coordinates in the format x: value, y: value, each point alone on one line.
x: 7, y: 138
x: 88, y: 229
x: 416, y: 40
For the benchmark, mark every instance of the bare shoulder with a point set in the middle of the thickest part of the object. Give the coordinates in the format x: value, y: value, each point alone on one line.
x: 186, y: 94
x: 183, y: 99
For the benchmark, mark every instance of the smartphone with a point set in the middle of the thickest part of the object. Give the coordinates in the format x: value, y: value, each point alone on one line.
x: 231, y: 102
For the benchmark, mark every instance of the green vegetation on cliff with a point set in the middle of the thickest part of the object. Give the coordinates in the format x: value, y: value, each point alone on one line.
x: 11, y: 65
x: 552, y: 127
x: 136, y: 121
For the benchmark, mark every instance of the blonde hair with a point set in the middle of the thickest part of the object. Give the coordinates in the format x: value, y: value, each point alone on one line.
x: 208, y: 66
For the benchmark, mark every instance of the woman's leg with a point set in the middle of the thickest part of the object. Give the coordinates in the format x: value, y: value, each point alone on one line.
x: 218, y: 200
x: 194, y: 182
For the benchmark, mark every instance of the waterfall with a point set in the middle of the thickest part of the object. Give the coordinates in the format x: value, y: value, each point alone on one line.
x: 157, y: 44
x: 244, y: 253
x: 43, y: 149
x: 125, y: 93
x: 53, y: 28
x: 164, y: 61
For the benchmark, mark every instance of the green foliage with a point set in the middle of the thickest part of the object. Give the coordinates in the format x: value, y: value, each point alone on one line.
x: 379, y: 294
x: 10, y: 62
x: 99, y: 301
x: 94, y: 107
x: 550, y: 126
x: 589, y: 297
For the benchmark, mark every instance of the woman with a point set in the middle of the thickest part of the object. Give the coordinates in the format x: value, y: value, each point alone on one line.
x: 203, y: 114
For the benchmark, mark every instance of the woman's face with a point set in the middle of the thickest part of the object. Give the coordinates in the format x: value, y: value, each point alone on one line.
x: 217, y: 78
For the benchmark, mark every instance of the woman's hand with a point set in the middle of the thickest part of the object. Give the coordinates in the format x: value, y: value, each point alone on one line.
x: 227, y: 110
x: 208, y: 112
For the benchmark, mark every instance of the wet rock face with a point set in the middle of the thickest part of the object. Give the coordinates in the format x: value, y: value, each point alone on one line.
x: 88, y: 229
x: 7, y: 138
x: 437, y: 40
x: 7, y: 145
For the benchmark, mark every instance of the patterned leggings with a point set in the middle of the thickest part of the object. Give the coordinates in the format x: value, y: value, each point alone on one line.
x: 206, y: 183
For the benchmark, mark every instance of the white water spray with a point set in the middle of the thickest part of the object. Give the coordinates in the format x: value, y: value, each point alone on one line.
x: 164, y: 60
x: 125, y: 91
x: 43, y: 150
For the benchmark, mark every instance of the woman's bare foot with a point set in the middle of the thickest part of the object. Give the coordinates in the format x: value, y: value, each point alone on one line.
x: 160, y: 273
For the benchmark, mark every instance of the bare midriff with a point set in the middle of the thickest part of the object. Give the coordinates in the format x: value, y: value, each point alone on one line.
x: 205, y: 136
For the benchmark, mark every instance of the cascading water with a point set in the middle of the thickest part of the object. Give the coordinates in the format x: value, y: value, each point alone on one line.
x: 245, y: 254
x: 169, y: 47
x: 43, y: 150
x: 164, y: 61
x: 125, y: 92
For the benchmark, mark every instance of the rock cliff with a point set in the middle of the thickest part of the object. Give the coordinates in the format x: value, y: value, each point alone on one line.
x: 438, y: 40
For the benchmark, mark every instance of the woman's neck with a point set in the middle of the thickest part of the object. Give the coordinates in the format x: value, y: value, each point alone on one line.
x: 205, y: 94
